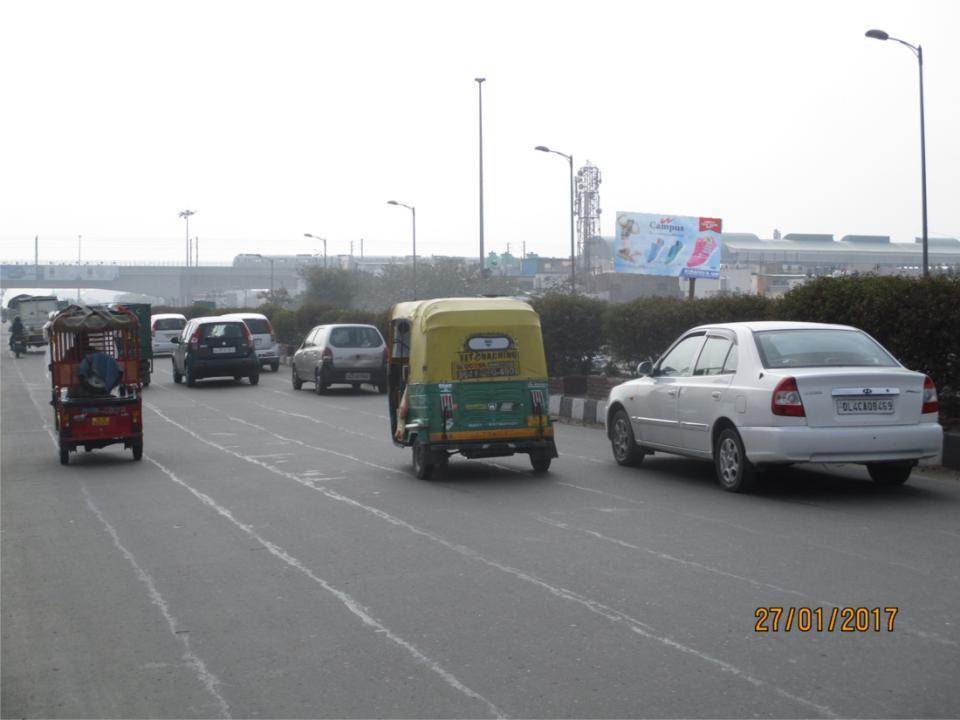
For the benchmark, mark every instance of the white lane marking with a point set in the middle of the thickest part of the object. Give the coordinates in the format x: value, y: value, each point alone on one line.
x: 345, y: 598
x: 338, y: 407
x: 206, y: 678
x: 317, y: 421
x: 270, y: 456
x: 636, y: 626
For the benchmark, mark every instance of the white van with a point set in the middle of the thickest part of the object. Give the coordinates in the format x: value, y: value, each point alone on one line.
x: 164, y: 327
x: 264, y: 340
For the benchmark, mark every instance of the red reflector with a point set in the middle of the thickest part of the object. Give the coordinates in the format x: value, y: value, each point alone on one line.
x: 786, y: 399
x: 931, y: 403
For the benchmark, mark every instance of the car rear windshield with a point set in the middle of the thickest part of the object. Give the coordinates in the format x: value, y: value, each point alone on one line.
x: 355, y: 337
x: 222, y: 330
x: 169, y: 324
x: 257, y: 327
x: 819, y: 348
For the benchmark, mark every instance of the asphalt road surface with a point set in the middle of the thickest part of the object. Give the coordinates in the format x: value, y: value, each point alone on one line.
x: 273, y: 556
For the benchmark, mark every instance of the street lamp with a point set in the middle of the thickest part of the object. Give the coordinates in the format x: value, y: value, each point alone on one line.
x: 413, y: 212
x: 573, y: 263
x: 324, y: 241
x: 918, y: 51
x: 185, y: 214
x: 480, y: 82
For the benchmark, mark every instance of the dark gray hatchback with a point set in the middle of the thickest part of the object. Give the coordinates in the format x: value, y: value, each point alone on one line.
x: 215, y: 347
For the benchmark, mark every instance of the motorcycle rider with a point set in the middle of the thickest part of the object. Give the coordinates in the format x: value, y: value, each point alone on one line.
x: 17, y: 331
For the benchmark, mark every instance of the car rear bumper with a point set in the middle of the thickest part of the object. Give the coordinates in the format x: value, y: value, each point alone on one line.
x: 225, y: 367
x: 268, y: 354
x: 375, y: 376
x: 163, y: 348
x: 855, y: 445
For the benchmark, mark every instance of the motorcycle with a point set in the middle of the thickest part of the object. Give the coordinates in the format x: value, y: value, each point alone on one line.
x: 18, y: 344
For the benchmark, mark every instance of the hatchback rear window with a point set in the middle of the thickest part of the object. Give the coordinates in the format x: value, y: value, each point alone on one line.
x: 820, y: 348
x: 355, y: 337
x: 169, y: 324
x: 257, y: 327
x: 222, y: 330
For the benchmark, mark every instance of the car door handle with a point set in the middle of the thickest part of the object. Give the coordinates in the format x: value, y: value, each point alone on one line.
x: 716, y: 394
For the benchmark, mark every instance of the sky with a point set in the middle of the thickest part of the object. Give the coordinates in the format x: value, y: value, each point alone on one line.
x: 272, y: 120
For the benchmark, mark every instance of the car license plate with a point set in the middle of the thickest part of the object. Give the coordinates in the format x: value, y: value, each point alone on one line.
x: 257, y: 342
x: 223, y: 350
x: 862, y: 406
x: 99, y: 421
x: 358, y: 376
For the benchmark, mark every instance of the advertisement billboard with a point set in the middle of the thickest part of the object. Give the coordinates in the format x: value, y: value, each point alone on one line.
x: 674, y: 245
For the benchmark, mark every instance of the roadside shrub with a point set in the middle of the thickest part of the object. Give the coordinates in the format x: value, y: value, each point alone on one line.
x: 572, y: 327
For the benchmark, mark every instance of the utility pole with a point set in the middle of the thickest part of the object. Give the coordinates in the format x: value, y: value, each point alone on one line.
x: 480, y: 82
x: 361, y: 248
x: 196, y: 251
x: 36, y: 256
x: 185, y: 214
x: 79, y: 271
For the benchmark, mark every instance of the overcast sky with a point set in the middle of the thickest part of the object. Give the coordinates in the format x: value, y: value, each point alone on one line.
x: 277, y: 118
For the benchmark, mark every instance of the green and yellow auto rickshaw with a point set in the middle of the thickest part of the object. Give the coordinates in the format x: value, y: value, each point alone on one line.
x: 468, y: 376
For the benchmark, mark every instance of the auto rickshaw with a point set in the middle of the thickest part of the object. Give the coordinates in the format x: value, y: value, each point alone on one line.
x: 95, y: 378
x: 468, y: 376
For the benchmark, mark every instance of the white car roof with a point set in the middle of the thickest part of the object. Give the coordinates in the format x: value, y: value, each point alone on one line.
x: 164, y: 316
x: 764, y: 325
x: 246, y: 316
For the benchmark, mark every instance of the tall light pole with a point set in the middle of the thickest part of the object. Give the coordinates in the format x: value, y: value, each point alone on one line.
x: 573, y: 251
x: 918, y: 51
x: 324, y: 241
x: 185, y: 214
x: 79, y: 271
x: 479, y: 81
x: 413, y: 212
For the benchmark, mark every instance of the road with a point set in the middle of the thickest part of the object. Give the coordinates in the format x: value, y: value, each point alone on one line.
x: 273, y: 556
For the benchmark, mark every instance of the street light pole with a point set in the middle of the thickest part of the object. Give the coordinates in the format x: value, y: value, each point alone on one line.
x: 918, y: 52
x: 324, y: 241
x: 185, y: 214
x: 480, y: 82
x: 413, y: 214
x: 573, y: 251
x: 79, y: 270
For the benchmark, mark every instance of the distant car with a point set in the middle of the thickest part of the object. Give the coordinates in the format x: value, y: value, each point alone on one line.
x: 351, y: 354
x: 164, y: 327
x: 268, y: 351
x: 215, y: 347
x: 749, y: 395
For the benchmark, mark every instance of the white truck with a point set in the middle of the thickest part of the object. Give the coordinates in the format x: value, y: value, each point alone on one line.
x: 33, y: 311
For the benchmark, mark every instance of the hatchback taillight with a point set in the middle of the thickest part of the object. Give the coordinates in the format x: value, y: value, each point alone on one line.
x: 195, y: 339
x: 326, y: 355
x: 270, y: 330
x: 931, y: 404
x: 786, y: 399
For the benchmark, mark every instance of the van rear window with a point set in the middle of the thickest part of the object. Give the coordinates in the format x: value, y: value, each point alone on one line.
x: 169, y: 324
x: 257, y: 327
x: 355, y: 337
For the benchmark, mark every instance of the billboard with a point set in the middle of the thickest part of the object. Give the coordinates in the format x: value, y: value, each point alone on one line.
x: 674, y: 245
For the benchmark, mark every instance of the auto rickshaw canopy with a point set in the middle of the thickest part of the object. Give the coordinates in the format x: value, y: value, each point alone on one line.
x: 472, y: 340
x: 81, y: 318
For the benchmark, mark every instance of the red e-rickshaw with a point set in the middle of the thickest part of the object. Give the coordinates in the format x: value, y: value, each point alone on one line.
x: 95, y: 376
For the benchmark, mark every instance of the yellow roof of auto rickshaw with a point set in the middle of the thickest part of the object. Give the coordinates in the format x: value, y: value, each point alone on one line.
x: 427, y: 315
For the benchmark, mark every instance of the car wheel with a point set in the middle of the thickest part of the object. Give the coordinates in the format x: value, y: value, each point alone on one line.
x: 540, y: 461
x: 297, y: 382
x: 137, y: 448
x: 254, y: 379
x: 735, y: 472
x: 893, y: 473
x: 191, y: 380
x: 318, y: 386
x: 177, y: 377
x: 275, y: 366
x: 422, y: 460
x: 622, y: 442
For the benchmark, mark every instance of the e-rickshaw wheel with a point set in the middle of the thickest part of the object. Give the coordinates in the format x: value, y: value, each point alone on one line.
x: 137, y: 447
x: 540, y: 461
x: 422, y: 460
x: 64, y: 455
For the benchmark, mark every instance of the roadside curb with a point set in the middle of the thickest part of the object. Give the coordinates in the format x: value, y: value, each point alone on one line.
x: 578, y: 410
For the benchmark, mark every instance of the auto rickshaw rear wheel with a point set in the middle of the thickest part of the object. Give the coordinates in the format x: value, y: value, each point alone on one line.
x: 422, y: 460
x: 137, y: 447
x: 64, y: 455
x: 540, y: 461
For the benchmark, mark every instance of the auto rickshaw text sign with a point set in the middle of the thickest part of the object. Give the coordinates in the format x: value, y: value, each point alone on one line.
x: 487, y: 356
x: 674, y: 245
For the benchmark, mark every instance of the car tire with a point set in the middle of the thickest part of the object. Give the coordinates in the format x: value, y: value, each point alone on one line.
x: 422, y: 460
x: 64, y: 455
x: 275, y: 366
x: 297, y: 382
x: 894, y: 473
x: 191, y: 380
x: 254, y: 379
x: 622, y: 442
x: 735, y: 472
x: 540, y: 461
x: 318, y: 386
x: 137, y: 447
x: 177, y: 377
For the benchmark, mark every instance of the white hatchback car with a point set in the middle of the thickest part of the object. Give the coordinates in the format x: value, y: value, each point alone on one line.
x: 748, y: 395
x: 164, y: 327
x: 264, y: 340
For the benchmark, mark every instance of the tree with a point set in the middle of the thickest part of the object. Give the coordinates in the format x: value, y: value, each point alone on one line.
x: 330, y: 285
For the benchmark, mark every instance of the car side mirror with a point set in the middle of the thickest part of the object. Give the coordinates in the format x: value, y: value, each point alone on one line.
x: 645, y: 368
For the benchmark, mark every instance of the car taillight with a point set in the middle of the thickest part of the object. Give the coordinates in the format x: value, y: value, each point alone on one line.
x: 195, y: 339
x: 786, y: 399
x: 270, y: 330
x: 326, y: 355
x: 931, y: 404
x: 248, y: 338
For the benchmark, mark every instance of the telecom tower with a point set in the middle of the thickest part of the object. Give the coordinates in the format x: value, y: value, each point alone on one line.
x: 588, y: 212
